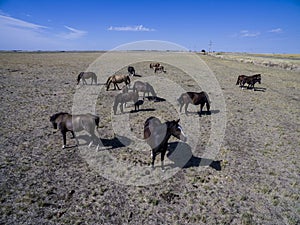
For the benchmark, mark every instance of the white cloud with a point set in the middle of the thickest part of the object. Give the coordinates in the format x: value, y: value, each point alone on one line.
x: 246, y: 33
x: 10, y: 22
x: 277, y: 30
x: 73, y: 33
x: 130, y: 28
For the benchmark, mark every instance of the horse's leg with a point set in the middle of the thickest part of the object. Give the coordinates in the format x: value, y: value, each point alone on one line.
x: 121, y: 107
x: 180, y: 107
x: 64, y: 139
x: 153, y: 155
x: 185, y: 108
x: 162, y: 157
x: 201, y: 108
x: 117, y: 87
x: 73, y: 136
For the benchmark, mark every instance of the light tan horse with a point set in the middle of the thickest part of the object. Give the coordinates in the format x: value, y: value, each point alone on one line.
x: 116, y: 79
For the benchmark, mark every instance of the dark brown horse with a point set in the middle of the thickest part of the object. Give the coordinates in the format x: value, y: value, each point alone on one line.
x: 250, y: 80
x: 86, y: 75
x: 157, y: 135
x: 194, y: 98
x: 153, y: 65
x: 124, y: 98
x: 116, y: 79
x: 159, y: 68
x: 66, y: 122
x: 143, y: 87
x: 131, y: 70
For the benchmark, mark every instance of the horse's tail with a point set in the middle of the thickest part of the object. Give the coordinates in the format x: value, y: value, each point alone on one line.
x: 207, y: 98
x: 180, y: 99
x: 79, y: 77
x: 238, y: 80
x: 97, y: 120
x: 108, y: 80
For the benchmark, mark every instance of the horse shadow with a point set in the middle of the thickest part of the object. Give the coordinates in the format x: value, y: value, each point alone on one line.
x: 155, y: 99
x: 204, y: 112
x: 181, y: 154
x: 137, y: 75
x: 116, y: 142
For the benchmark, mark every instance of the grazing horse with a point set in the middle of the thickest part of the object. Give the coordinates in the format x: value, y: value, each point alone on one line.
x: 159, y: 68
x: 86, y: 75
x: 66, y: 122
x: 143, y: 87
x: 122, y: 98
x: 194, y: 98
x: 157, y: 135
x: 115, y: 79
x: 131, y: 70
x: 251, y: 80
x: 153, y: 65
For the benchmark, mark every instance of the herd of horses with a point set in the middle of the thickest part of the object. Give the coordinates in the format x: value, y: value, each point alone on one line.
x: 156, y: 133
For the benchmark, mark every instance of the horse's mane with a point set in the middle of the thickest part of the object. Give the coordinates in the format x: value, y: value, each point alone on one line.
x: 53, y: 117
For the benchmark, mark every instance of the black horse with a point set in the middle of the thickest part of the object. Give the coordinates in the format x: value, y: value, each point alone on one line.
x: 157, y: 135
x: 194, y: 98
x: 66, y: 122
x: 131, y: 70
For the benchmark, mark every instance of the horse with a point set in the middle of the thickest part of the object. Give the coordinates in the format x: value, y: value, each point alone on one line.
x: 194, y: 98
x: 159, y: 68
x: 122, y: 98
x: 143, y: 87
x: 66, y: 122
x: 115, y: 79
x: 251, y: 80
x: 131, y: 70
x: 157, y: 135
x: 153, y: 65
x: 86, y: 75
x: 240, y: 79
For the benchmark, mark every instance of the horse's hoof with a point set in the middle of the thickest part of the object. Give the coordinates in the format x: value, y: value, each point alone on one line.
x: 63, y: 147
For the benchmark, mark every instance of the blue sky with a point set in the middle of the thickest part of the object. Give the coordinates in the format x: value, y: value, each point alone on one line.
x: 263, y: 26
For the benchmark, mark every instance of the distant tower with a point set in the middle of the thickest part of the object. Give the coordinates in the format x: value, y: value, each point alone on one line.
x: 210, y: 44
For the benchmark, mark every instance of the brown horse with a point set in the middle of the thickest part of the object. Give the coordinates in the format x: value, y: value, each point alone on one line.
x: 116, y: 79
x: 159, y: 68
x: 240, y: 79
x: 86, y: 75
x: 122, y: 98
x: 157, y: 135
x: 153, y: 65
x: 143, y: 87
x: 66, y: 122
x: 250, y: 80
x: 195, y: 99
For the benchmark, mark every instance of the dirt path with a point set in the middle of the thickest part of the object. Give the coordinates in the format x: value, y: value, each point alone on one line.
x: 40, y: 183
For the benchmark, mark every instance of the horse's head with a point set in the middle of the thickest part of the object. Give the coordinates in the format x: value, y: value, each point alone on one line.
x: 176, y: 130
x: 79, y: 77
x: 52, y: 120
